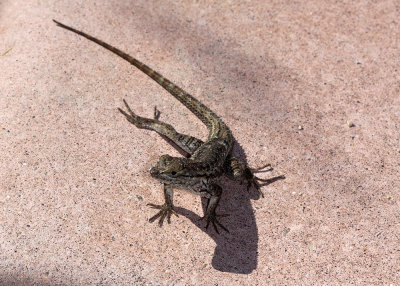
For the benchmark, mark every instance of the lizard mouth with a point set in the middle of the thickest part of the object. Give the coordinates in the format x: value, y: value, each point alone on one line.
x: 155, y: 173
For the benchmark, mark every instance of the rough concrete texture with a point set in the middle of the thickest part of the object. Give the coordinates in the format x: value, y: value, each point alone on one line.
x: 288, y: 77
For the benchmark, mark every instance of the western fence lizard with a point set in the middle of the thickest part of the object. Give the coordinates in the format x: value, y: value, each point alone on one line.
x: 207, y: 161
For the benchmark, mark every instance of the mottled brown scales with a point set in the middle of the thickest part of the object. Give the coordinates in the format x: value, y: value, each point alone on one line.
x: 208, y: 161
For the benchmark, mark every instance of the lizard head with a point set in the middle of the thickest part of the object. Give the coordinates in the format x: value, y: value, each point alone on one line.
x: 170, y: 170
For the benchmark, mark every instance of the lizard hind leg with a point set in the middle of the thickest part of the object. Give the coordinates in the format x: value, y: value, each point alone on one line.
x: 187, y: 143
x: 239, y: 171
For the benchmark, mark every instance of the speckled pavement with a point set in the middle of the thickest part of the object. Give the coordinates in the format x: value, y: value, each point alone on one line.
x: 313, y: 87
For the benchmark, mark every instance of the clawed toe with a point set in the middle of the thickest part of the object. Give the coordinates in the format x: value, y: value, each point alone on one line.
x: 166, y: 211
x: 156, y: 114
x: 153, y: 206
x: 262, y: 167
x: 213, y: 219
x: 271, y: 180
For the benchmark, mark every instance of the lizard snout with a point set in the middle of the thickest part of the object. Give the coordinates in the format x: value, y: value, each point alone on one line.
x: 154, y: 171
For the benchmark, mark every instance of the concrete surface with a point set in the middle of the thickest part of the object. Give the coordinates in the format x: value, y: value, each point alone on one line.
x: 289, y: 77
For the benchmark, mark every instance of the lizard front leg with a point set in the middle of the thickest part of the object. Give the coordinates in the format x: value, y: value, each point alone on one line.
x: 167, y: 209
x: 238, y: 171
x: 213, y: 194
x: 187, y: 143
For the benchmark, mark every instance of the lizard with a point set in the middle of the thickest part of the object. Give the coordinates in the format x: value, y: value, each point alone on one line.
x: 207, y: 161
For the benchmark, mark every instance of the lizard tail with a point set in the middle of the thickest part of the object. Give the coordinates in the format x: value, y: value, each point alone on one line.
x: 206, y: 115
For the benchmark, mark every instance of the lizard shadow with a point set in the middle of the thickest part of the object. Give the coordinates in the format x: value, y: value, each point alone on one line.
x: 236, y: 251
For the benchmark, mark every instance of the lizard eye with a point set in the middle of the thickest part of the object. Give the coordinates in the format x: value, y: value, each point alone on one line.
x: 173, y: 173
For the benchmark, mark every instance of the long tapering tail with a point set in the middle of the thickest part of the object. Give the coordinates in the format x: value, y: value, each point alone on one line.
x: 206, y: 115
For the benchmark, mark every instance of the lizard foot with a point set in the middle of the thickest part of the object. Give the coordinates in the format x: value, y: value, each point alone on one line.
x: 166, y: 210
x: 213, y: 219
x: 253, y: 180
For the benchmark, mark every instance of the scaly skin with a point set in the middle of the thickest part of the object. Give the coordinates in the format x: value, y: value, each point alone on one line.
x: 208, y: 160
